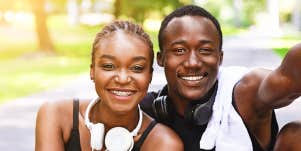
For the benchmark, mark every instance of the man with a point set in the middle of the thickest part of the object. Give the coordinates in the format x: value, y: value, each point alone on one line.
x: 214, y: 108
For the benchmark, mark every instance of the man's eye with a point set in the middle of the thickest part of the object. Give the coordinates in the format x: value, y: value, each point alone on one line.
x: 179, y: 50
x: 137, y: 68
x: 205, y: 50
x: 108, y: 66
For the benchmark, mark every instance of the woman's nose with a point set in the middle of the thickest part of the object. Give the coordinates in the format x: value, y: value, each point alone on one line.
x: 122, y: 77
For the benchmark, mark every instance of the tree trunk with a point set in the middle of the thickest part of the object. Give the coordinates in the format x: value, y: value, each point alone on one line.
x: 117, y: 8
x: 44, y: 40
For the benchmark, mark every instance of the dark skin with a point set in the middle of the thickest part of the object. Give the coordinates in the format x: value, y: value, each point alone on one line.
x: 191, y: 57
x: 289, y: 137
x: 121, y: 79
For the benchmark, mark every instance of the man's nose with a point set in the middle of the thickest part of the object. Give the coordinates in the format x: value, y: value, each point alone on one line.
x: 192, y: 60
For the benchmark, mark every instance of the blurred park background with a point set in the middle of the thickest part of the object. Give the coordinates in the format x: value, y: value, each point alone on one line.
x: 46, y: 43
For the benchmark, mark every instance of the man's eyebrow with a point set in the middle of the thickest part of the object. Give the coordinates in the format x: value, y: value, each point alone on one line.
x: 204, y: 41
x: 105, y: 56
x: 178, y: 42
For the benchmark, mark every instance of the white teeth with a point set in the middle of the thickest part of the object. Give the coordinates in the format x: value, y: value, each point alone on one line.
x: 192, y: 78
x: 122, y: 93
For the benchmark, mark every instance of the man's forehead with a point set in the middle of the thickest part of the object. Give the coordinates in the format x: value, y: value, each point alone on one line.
x: 188, y: 20
x: 190, y: 25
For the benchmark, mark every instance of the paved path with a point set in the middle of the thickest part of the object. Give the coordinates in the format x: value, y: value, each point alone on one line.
x: 18, y: 117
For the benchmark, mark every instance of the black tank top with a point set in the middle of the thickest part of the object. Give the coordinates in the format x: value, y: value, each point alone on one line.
x: 274, y: 131
x: 73, y: 143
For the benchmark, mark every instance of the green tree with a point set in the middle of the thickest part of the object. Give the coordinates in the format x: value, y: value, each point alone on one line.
x: 139, y: 9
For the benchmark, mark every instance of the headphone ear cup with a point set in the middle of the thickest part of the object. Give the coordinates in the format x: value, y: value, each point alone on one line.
x: 119, y: 138
x: 160, y: 109
x: 189, y: 113
x: 97, y: 135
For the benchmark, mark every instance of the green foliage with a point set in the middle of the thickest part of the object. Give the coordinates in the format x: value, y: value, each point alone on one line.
x: 25, y: 72
x: 282, y: 44
x: 139, y: 10
x: 250, y: 9
x: 247, y: 15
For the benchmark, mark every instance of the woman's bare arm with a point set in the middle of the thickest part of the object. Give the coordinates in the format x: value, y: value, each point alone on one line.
x: 49, y: 136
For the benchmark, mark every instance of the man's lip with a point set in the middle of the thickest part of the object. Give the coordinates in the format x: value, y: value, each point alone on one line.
x: 192, y: 77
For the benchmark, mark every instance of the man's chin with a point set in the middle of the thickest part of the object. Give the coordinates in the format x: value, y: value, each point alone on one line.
x: 192, y: 96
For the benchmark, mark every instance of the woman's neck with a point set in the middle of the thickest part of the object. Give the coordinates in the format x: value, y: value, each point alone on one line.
x: 103, y: 114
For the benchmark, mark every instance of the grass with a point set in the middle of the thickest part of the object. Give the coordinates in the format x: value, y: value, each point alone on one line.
x: 22, y: 77
x: 25, y: 72
x: 282, y: 44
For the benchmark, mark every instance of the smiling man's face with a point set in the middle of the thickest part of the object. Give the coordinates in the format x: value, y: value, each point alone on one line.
x: 191, y: 57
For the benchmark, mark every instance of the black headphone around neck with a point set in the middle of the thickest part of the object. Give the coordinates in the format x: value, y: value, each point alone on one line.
x: 195, y: 112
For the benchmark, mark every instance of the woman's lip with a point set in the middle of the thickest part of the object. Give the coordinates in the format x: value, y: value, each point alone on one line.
x: 122, y: 93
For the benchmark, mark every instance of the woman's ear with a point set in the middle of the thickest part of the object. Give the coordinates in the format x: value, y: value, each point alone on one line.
x: 92, y: 72
x: 160, y: 59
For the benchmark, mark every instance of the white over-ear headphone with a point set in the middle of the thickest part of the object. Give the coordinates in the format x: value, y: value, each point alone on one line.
x: 116, y: 139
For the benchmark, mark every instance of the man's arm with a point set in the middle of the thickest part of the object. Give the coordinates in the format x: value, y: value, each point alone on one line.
x: 281, y: 86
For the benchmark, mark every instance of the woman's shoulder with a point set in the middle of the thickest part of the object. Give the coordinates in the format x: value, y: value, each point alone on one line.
x: 165, y: 133
x: 61, y: 107
x: 55, y: 108
x: 55, y: 112
x: 161, y: 137
x: 61, y: 110
x: 57, y: 116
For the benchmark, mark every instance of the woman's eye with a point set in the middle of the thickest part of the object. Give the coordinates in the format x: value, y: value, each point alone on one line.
x: 108, y: 66
x: 137, y: 68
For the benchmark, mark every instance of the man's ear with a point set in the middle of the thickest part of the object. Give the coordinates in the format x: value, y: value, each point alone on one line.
x: 221, y: 57
x: 160, y: 59
x: 92, y: 72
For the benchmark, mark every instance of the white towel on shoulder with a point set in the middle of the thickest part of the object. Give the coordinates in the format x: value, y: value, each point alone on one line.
x: 226, y: 130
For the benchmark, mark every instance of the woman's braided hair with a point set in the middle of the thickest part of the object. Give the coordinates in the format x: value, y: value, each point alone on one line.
x: 127, y: 27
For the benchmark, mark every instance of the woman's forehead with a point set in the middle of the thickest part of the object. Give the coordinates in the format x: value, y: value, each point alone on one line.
x: 124, y: 44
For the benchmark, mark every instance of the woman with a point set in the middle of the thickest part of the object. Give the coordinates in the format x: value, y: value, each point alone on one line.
x: 121, y: 69
x: 289, y: 137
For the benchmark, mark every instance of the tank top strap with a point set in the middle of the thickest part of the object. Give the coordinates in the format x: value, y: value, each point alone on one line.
x: 73, y: 143
x: 75, y: 113
x: 144, y: 135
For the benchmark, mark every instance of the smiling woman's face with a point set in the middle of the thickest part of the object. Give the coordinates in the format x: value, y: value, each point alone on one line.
x: 191, y: 57
x: 122, y: 70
